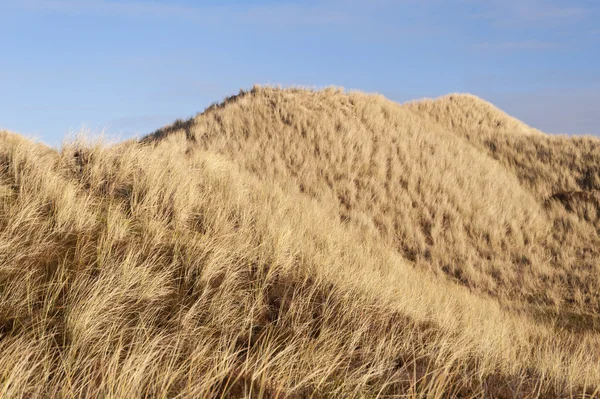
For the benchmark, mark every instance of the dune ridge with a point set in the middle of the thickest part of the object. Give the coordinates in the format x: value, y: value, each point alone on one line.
x: 300, y: 243
x: 470, y: 206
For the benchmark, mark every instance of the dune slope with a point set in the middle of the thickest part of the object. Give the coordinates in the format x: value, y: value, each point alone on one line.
x: 290, y: 243
x: 453, y: 184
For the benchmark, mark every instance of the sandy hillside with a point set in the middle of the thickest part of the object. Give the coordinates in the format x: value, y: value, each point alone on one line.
x: 297, y: 243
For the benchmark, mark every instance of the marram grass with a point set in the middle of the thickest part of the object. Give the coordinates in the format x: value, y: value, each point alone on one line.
x: 303, y: 244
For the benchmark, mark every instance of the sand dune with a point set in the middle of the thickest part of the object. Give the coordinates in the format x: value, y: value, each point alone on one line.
x: 297, y: 243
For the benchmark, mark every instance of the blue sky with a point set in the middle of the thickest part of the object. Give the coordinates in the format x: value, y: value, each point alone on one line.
x: 129, y: 67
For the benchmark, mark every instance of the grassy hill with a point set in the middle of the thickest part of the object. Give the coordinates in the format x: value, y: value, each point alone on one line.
x: 296, y: 243
x: 453, y: 184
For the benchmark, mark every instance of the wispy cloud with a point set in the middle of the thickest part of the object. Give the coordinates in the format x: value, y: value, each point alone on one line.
x: 423, y: 30
x: 105, y: 7
x: 280, y: 13
x: 295, y: 14
x: 518, y: 45
x: 539, y: 11
x: 510, y: 12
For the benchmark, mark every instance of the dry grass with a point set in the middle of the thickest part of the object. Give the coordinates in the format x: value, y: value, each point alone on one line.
x: 291, y: 243
x: 408, y: 175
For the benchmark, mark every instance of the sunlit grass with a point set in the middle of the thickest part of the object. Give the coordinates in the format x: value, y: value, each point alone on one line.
x: 291, y: 243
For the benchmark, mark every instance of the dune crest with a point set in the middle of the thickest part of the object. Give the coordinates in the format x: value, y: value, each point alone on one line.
x: 468, y: 114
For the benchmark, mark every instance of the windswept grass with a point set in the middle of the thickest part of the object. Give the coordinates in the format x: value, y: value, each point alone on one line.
x: 290, y: 243
x: 454, y: 184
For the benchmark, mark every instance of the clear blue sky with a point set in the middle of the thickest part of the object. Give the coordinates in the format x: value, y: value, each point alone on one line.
x: 129, y: 67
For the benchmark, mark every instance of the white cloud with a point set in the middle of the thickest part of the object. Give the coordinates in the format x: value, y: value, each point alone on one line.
x: 518, y: 45
x: 105, y: 7
x: 510, y: 12
x: 281, y: 13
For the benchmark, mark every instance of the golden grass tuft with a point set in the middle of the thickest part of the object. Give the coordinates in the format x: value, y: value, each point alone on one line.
x: 296, y: 243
